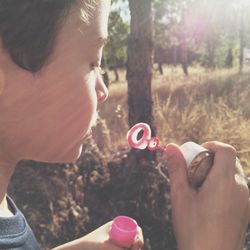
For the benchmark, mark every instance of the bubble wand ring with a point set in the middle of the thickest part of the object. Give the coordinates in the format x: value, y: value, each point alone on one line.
x: 146, y: 141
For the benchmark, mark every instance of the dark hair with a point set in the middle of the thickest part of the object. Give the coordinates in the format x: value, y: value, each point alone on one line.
x: 28, y: 29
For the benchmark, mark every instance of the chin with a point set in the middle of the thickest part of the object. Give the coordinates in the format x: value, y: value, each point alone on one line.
x: 71, y: 156
x: 68, y: 157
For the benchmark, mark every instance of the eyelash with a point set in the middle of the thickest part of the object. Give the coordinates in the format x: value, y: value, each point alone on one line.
x: 97, y: 68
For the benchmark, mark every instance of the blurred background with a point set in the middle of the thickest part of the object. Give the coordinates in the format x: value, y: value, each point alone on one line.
x: 182, y: 66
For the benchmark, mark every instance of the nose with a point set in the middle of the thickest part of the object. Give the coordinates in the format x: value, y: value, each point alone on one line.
x: 101, y: 90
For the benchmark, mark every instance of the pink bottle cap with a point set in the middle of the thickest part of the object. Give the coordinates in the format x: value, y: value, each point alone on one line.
x: 123, y: 231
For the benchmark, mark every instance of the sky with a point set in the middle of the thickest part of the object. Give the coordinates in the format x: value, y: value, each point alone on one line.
x: 123, y: 7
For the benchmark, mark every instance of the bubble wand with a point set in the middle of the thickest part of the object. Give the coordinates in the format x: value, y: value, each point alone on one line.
x: 198, y: 159
x: 146, y: 141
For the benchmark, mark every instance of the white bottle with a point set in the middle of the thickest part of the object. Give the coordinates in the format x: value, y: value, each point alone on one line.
x: 199, y: 162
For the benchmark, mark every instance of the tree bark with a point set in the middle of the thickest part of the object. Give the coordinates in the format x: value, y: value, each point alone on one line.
x: 184, y: 57
x: 160, y: 68
x: 211, y: 48
x: 184, y: 48
x: 105, y: 76
x: 117, y: 78
x: 140, y: 61
x: 139, y: 67
x: 242, y: 40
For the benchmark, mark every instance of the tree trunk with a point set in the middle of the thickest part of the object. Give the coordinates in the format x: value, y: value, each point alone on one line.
x: 105, y: 76
x: 184, y: 48
x: 184, y: 56
x: 160, y: 68
x: 175, y: 56
x: 117, y: 78
x: 140, y: 61
x: 242, y: 40
x: 185, y: 68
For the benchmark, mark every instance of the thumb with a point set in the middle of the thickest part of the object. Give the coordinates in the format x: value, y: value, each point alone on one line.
x: 177, y: 171
x: 139, y: 241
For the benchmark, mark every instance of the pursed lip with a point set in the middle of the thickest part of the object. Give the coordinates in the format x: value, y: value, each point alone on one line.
x: 89, y: 133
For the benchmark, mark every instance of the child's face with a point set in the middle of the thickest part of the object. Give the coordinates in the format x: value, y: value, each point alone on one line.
x: 45, y: 117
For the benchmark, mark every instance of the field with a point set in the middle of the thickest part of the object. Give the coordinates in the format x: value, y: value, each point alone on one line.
x: 204, y: 106
x: 67, y: 201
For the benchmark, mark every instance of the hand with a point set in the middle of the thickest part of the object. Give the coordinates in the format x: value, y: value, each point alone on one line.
x: 99, y: 240
x: 101, y: 236
x: 216, y: 215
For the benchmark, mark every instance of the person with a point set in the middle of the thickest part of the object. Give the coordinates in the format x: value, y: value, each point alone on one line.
x: 50, y: 86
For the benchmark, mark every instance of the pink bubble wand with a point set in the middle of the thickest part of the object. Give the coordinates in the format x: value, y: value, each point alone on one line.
x: 198, y: 159
x: 146, y: 141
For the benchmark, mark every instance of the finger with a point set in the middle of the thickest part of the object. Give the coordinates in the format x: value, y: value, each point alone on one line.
x: 249, y: 212
x: 239, y: 169
x: 224, y: 160
x: 248, y: 182
x: 139, y: 241
x: 177, y: 170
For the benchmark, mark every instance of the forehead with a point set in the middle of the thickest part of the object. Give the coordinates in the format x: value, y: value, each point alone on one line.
x: 80, y: 36
x: 93, y: 21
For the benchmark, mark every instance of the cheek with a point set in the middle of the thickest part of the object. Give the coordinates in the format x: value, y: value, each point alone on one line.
x: 83, y: 105
x: 90, y: 104
x: 70, y: 119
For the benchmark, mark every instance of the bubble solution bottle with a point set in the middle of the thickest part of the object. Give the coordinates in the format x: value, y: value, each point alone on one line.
x: 123, y: 231
x: 199, y: 162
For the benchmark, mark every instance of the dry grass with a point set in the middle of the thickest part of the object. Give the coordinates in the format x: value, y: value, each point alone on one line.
x: 204, y: 106
x: 68, y: 201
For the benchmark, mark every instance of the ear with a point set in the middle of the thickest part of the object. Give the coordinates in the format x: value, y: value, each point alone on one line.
x: 2, y: 78
x: 2, y: 81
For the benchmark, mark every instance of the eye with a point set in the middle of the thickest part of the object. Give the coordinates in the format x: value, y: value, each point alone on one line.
x: 97, y: 68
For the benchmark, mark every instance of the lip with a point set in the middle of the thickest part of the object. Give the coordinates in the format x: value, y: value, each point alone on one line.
x: 87, y: 135
x: 89, y: 132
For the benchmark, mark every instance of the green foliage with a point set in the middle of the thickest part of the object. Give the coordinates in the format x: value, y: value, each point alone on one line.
x: 115, y: 52
x: 208, y: 29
